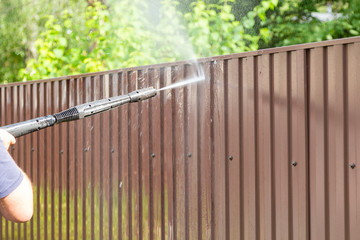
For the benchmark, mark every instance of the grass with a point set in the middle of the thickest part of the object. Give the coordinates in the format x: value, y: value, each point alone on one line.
x: 60, y: 221
x: 57, y: 221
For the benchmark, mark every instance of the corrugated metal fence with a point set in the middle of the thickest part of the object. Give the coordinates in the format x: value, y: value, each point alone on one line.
x: 266, y: 147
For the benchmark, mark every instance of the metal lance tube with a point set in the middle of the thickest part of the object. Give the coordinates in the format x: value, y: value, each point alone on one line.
x: 78, y: 112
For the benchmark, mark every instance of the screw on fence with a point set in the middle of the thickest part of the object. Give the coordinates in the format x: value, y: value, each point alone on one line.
x: 352, y: 165
x: 231, y: 158
x: 294, y: 163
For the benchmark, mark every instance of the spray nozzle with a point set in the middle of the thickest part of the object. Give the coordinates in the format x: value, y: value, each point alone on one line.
x: 142, y: 94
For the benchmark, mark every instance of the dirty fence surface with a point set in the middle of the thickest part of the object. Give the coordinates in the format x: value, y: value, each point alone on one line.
x: 267, y: 147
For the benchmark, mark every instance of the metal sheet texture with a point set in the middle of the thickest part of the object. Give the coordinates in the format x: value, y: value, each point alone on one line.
x: 266, y: 147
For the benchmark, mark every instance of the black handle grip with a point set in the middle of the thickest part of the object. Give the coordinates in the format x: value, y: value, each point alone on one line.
x: 67, y: 115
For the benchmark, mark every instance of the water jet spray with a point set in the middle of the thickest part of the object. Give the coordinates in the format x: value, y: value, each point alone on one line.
x: 183, y: 83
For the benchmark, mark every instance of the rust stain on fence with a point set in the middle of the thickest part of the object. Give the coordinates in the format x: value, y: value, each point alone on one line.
x: 265, y: 148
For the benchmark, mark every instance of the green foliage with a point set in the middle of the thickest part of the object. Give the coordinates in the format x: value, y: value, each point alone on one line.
x: 130, y: 33
x: 64, y: 50
x: 172, y: 41
x: 21, y: 21
x: 12, y: 38
x: 213, y: 30
x: 125, y: 40
x: 290, y: 22
x: 111, y: 40
x: 131, y: 39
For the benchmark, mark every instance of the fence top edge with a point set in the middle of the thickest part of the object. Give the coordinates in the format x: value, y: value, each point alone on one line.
x: 303, y: 46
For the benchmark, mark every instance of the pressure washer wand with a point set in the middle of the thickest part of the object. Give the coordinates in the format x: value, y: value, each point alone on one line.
x: 78, y: 112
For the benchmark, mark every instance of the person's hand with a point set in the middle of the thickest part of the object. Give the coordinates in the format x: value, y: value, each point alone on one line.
x: 7, y: 138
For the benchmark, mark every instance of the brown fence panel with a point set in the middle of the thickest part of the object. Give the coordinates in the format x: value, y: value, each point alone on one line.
x: 353, y: 130
x: 265, y: 148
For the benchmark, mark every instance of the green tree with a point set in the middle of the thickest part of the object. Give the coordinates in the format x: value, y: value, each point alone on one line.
x: 94, y: 36
x: 21, y: 21
x: 293, y: 22
x: 213, y: 29
x: 111, y: 40
x: 56, y: 54
x: 13, y: 37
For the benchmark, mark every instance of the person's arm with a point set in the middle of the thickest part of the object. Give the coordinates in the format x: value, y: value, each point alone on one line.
x: 17, y: 205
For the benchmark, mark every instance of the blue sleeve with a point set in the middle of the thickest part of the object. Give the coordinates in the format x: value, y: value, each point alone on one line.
x: 10, y: 174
